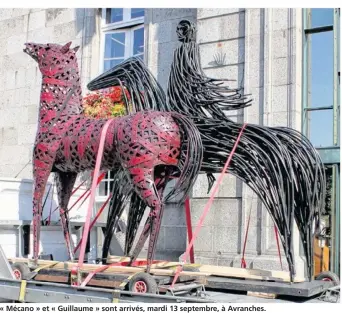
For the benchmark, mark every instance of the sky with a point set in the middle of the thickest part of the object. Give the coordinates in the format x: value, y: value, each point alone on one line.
x: 322, y: 49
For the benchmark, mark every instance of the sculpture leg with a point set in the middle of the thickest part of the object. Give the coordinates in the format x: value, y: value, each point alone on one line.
x: 141, y: 242
x: 41, y: 172
x: 110, y: 228
x: 153, y: 223
x: 65, y: 183
x: 39, y: 187
x: 152, y: 228
x: 120, y: 193
x: 135, y: 214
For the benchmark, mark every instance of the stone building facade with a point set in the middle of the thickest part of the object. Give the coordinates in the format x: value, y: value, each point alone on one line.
x: 259, y: 49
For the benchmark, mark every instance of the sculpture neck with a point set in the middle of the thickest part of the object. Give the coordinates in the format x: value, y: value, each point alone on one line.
x: 54, y: 93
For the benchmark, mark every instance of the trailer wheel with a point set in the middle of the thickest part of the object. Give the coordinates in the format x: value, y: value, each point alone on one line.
x: 143, y: 283
x: 20, y: 270
x: 328, y: 276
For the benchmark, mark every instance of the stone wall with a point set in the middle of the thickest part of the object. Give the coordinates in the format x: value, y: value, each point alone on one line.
x: 20, y: 79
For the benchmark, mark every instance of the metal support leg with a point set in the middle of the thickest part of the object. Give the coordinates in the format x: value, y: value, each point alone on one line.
x: 189, y: 228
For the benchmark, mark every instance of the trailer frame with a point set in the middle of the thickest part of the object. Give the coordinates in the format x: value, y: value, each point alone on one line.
x: 21, y: 290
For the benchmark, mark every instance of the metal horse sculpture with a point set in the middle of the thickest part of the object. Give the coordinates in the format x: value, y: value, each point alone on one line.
x: 145, y: 148
x: 279, y: 164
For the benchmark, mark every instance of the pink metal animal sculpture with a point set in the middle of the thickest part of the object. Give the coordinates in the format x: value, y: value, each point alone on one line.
x: 67, y: 143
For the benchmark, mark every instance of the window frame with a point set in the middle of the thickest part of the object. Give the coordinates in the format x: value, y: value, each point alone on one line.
x: 125, y: 23
x: 129, y: 42
x: 335, y: 106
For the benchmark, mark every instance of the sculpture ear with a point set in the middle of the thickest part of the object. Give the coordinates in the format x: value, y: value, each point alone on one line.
x: 66, y: 47
x: 76, y: 48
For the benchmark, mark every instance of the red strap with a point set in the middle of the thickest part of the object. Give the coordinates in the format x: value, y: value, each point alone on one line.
x: 243, y: 261
x: 98, y: 270
x: 92, y: 192
x: 99, y: 179
x: 189, y: 228
x: 50, y: 214
x: 208, y: 206
x: 87, y: 192
x: 94, y: 221
x: 78, y: 187
x: 278, y: 246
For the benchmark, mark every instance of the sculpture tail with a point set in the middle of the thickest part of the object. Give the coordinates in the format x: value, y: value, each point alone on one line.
x: 190, y: 159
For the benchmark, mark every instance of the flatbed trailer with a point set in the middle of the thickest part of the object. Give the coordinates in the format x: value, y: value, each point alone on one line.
x: 193, y: 280
x: 24, y: 289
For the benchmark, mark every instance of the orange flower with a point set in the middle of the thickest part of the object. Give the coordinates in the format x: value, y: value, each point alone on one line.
x: 107, y: 104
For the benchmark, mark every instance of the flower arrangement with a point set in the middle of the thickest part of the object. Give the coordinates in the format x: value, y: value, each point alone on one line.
x: 106, y: 104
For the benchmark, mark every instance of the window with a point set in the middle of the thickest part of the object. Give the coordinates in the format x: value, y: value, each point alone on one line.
x: 320, y: 77
x: 105, y: 187
x: 122, y: 37
x: 122, y: 44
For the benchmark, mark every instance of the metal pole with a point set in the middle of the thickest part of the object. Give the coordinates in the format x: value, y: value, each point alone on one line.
x: 189, y: 228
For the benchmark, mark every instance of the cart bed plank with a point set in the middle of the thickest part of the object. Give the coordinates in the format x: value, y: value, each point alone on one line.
x: 99, y: 279
x: 111, y: 270
x: 224, y: 271
x: 304, y: 289
x: 165, y: 268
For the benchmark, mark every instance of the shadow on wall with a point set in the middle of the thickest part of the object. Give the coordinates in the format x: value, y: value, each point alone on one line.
x: 85, y: 24
x: 164, y: 25
x: 77, y: 24
x: 86, y: 27
x: 162, y: 33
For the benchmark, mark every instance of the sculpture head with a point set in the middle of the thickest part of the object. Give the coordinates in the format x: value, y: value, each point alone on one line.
x: 186, y: 31
x: 52, y: 58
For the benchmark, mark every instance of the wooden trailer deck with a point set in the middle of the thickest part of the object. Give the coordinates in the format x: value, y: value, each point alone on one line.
x: 165, y: 268
x: 190, y: 279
